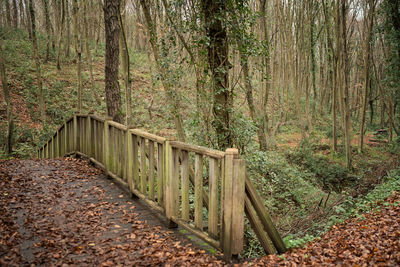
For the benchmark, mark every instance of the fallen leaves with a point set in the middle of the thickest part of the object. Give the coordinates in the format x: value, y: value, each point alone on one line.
x: 72, y: 216
x: 63, y: 212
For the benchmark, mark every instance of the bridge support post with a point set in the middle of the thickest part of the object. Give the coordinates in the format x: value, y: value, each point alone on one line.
x: 233, y: 204
x: 171, y: 192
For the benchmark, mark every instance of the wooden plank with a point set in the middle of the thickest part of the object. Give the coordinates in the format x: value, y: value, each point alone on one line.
x: 118, y: 125
x: 135, y: 161
x: 258, y: 228
x: 89, y: 138
x: 65, y: 139
x: 151, y: 169
x: 185, y: 185
x: 175, y: 183
x: 121, y: 158
x: 198, y: 191
x: 168, y: 172
x: 191, y: 228
x: 198, y: 149
x: 106, y: 145
x: 239, y: 176
x: 160, y: 174
x: 227, y: 204
x: 97, y: 118
x: 143, y: 167
x: 213, y: 192
x: 129, y: 160
x: 148, y: 136
x: 76, y: 137
x: 264, y: 216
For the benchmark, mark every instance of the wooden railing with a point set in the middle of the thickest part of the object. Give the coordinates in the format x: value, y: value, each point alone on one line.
x: 203, y: 190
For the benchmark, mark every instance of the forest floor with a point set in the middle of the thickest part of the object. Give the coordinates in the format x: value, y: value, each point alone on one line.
x: 63, y: 211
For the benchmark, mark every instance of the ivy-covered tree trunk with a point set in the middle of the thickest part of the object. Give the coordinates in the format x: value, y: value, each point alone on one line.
x: 214, y: 13
x: 112, y: 27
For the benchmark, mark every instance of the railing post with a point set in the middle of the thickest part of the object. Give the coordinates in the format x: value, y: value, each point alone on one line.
x: 65, y: 140
x: 171, y: 159
x: 106, y: 142
x: 233, y: 204
x: 129, y: 159
x: 89, y: 136
x: 76, y: 141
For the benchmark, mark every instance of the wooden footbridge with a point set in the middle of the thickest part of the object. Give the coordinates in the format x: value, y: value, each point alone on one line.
x: 205, y: 191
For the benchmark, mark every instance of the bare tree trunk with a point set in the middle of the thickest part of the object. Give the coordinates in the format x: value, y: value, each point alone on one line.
x: 78, y: 53
x: 15, y: 11
x: 67, y: 46
x: 125, y: 67
x: 22, y: 22
x: 88, y: 54
x: 8, y: 13
x: 113, y: 95
x: 173, y: 101
x: 28, y: 19
x: 369, y: 20
x: 345, y: 81
x: 37, y: 61
x: 7, y: 97
x: 47, y: 20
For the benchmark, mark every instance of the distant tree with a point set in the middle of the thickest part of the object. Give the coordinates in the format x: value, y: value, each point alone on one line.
x: 37, y: 61
x: 6, y: 92
x: 112, y: 29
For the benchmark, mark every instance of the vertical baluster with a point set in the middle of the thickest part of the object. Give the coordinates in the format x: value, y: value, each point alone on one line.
x: 160, y: 174
x: 151, y: 169
x: 198, y: 191
x: 135, y: 160
x: 185, y: 185
x: 143, y: 175
x: 213, y: 196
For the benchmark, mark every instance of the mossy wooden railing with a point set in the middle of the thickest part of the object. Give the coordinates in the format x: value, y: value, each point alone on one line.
x: 205, y: 191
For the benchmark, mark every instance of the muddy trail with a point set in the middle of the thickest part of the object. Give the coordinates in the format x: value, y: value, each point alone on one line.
x: 64, y: 212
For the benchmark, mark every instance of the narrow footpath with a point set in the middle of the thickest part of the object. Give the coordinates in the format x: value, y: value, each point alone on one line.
x: 64, y: 212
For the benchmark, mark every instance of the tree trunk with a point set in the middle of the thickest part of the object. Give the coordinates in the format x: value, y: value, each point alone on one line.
x: 7, y: 98
x: 112, y: 28
x: 8, y: 13
x: 88, y: 54
x: 345, y: 81
x: 214, y: 12
x: 37, y: 61
x: 173, y: 101
x: 15, y: 11
x: 67, y: 46
x: 369, y: 20
x: 78, y: 52
x: 28, y: 20
x: 47, y: 23
x: 125, y: 67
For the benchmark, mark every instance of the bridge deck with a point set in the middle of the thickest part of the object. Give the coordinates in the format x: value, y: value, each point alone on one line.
x: 65, y: 211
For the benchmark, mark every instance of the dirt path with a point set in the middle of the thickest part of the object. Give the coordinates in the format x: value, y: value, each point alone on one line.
x: 56, y: 212
x: 65, y: 212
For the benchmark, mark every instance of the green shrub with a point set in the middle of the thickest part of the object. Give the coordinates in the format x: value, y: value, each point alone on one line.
x: 328, y: 175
